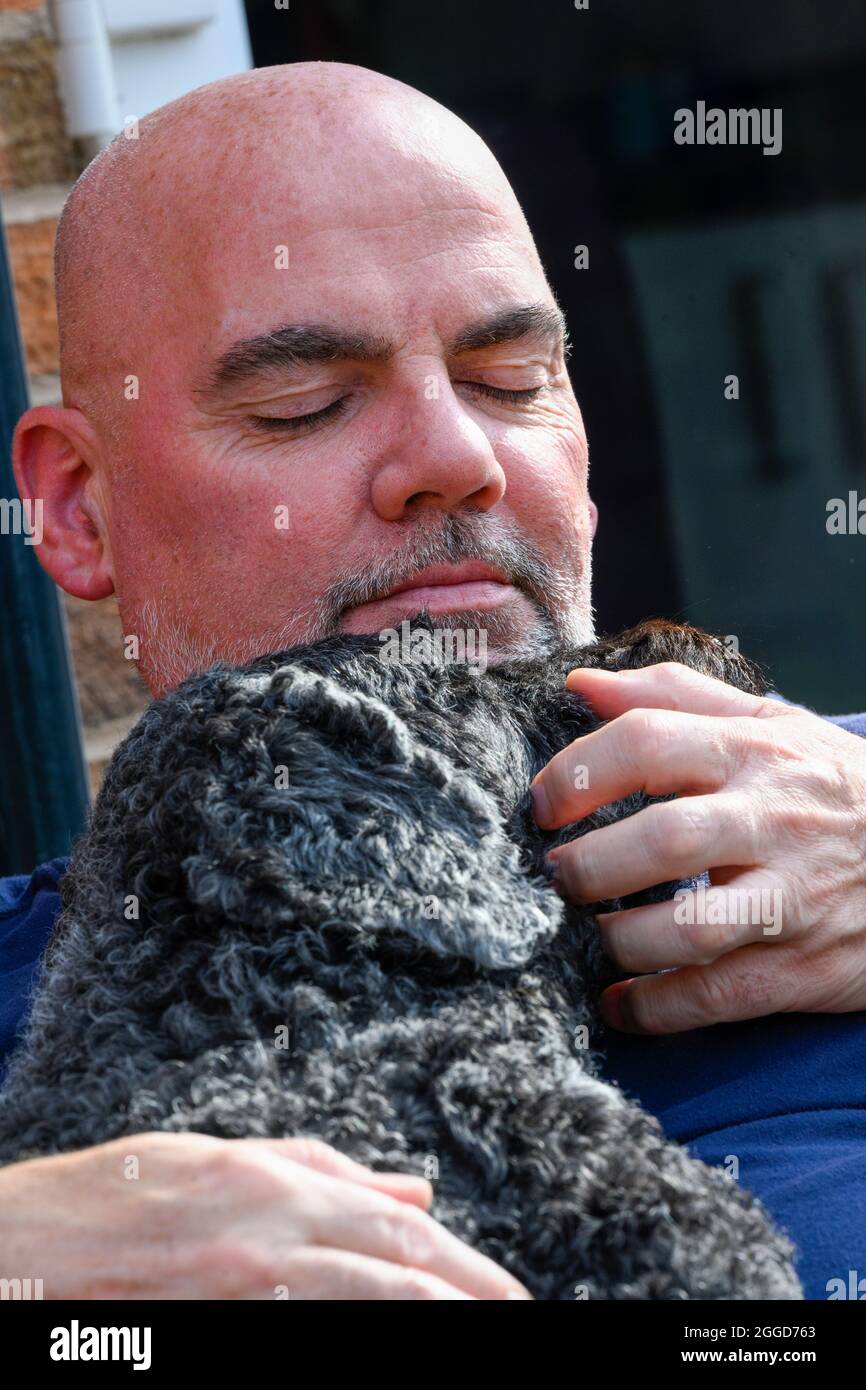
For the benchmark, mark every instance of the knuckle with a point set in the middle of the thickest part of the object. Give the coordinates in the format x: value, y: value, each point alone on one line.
x: 646, y: 736
x: 160, y: 1142
x: 245, y: 1168
x: 415, y: 1286
x: 741, y: 819
x: 679, y: 680
x: 711, y: 939
x: 834, y: 784
x: 775, y: 709
x: 680, y: 830
x: 309, y: 1151
x: 410, y: 1233
x: 672, y: 668
x: 711, y: 993
x: 795, y: 817
x: 231, y: 1163
x: 724, y: 994
x: 695, y: 945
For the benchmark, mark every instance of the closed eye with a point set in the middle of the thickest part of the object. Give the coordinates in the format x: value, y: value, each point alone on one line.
x: 498, y: 393
x: 302, y: 424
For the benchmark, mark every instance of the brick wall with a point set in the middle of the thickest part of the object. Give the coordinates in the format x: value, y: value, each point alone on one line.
x: 38, y: 164
x: 37, y: 168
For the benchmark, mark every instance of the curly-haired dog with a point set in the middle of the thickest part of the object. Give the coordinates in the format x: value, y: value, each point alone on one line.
x: 331, y: 851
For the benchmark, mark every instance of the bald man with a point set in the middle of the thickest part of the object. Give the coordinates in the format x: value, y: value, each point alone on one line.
x: 314, y: 378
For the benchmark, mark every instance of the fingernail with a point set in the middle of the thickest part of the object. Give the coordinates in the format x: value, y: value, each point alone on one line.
x: 541, y: 803
x: 616, y: 1009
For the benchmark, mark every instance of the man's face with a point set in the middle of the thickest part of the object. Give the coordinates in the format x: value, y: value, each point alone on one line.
x: 382, y: 406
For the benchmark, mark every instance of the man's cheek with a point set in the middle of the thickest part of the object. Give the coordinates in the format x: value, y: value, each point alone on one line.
x: 546, y: 485
x: 551, y: 445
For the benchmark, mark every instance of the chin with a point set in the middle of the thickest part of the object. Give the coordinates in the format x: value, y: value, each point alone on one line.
x: 516, y: 631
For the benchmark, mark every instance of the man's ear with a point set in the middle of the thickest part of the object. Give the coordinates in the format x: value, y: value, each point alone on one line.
x: 54, y: 454
x: 593, y: 518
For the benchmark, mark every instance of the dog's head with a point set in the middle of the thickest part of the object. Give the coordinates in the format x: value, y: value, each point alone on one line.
x: 327, y: 796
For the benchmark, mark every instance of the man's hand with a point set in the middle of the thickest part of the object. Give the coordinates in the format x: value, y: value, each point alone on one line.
x: 230, y: 1219
x: 772, y: 801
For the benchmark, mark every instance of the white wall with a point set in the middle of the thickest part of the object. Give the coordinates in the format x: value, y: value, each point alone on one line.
x: 122, y: 58
x: 150, y: 71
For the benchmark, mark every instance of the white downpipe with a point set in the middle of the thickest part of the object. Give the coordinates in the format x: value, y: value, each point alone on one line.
x: 86, y: 73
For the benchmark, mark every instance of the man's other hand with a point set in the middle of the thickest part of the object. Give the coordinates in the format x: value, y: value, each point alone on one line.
x: 185, y: 1216
x: 771, y: 800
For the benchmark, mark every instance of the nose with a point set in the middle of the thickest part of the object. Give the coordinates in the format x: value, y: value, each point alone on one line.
x: 441, y: 459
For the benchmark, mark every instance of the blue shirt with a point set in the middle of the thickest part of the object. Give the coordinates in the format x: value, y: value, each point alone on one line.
x: 780, y: 1102
x: 28, y: 908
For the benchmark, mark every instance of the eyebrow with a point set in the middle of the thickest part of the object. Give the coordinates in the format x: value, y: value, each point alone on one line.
x: 542, y: 321
x: 286, y: 348
x: 307, y: 344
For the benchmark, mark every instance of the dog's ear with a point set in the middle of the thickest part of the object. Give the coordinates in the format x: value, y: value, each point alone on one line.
x: 371, y: 840
x: 658, y: 640
x: 412, y: 855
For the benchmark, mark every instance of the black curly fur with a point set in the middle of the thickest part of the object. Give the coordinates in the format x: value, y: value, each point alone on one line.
x: 390, y: 908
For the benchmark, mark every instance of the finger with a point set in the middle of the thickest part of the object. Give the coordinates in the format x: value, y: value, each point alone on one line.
x: 338, y: 1275
x: 649, y: 750
x: 314, y: 1153
x: 668, y: 685
x: 751, y: 983
x: 669, y: 841
x: 405, y: 1236
x: 696, y: 926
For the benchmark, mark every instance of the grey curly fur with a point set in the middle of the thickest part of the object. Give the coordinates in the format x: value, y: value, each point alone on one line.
x: 390, y: 907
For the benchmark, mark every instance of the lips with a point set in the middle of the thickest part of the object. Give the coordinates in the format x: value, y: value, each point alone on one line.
x: 438, y: 589
x: 444, y: 576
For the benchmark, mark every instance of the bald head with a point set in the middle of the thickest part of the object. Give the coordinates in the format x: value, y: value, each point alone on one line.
x: 264, y: 159
x: 309, y: 356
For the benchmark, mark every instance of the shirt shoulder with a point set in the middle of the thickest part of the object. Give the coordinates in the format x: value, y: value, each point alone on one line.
x: 29, y: 904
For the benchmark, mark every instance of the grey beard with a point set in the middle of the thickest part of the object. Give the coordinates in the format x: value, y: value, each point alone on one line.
x: 170, y: 650
x: 560, y: 597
